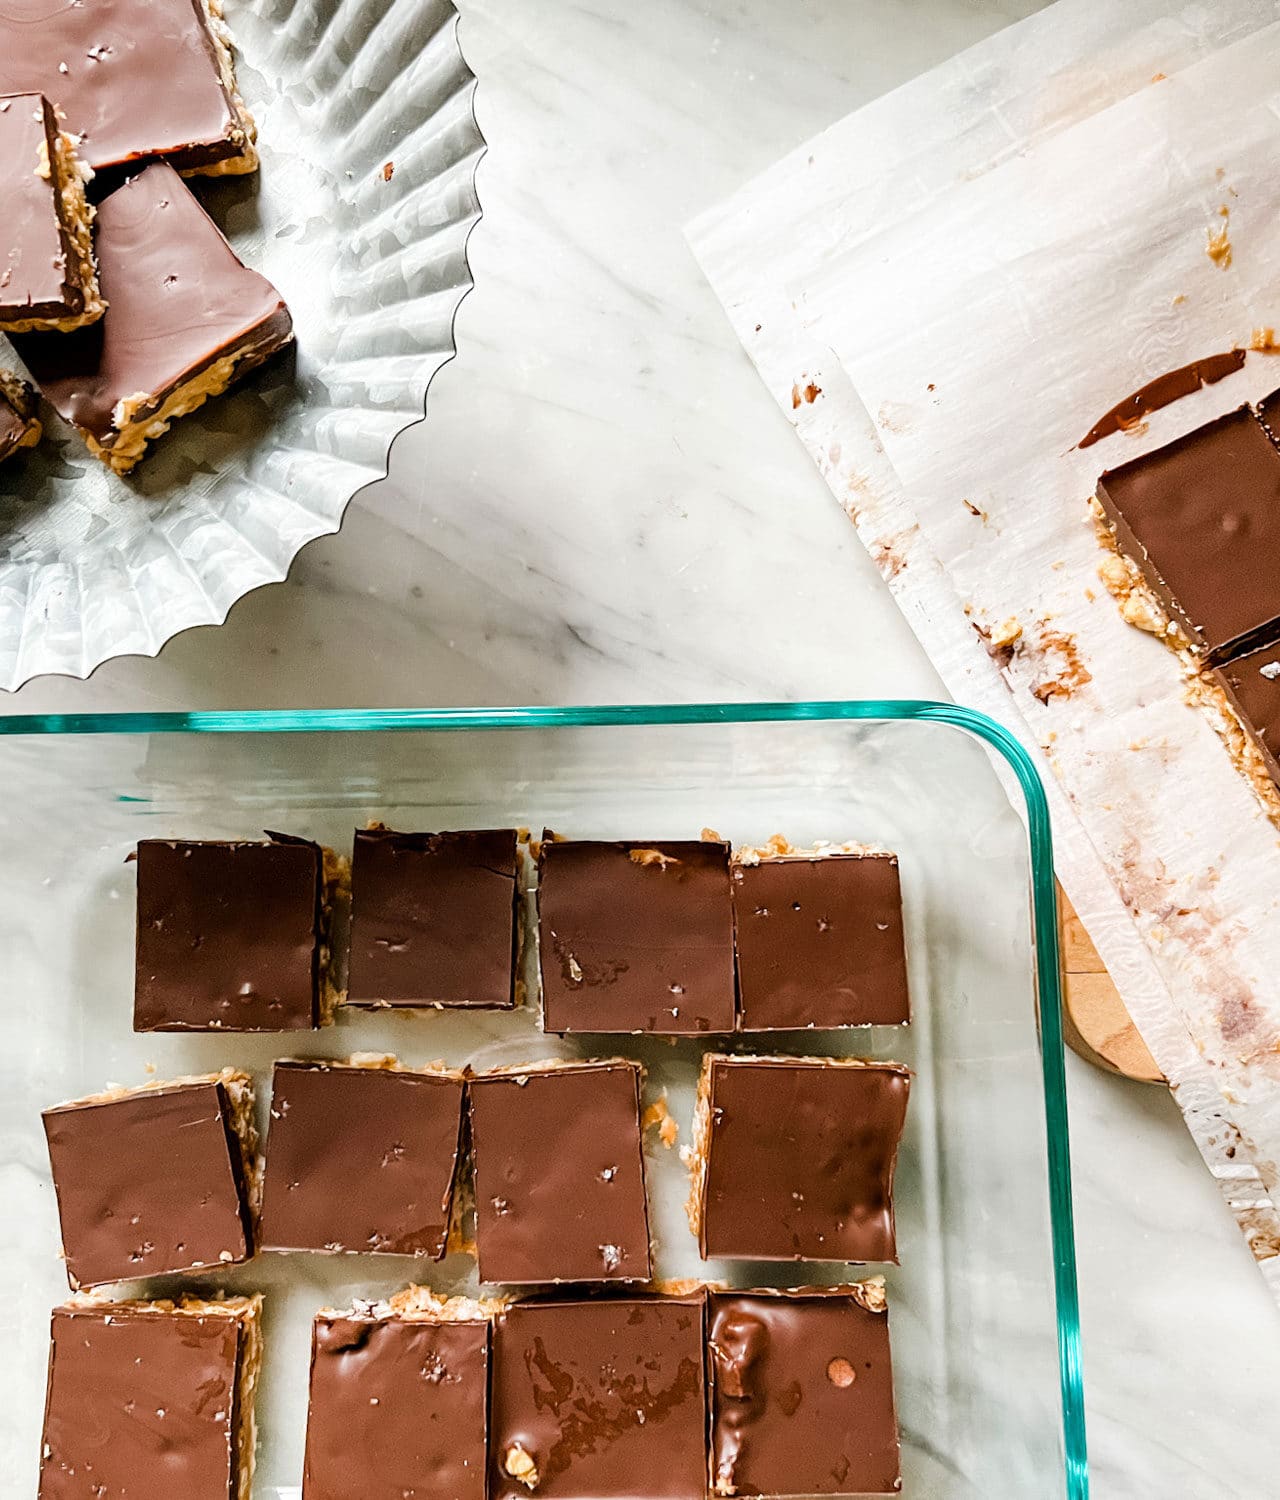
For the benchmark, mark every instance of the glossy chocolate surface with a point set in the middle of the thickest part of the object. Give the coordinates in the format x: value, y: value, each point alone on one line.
x: 560, y: 1189
x: 228, y: 936
x: 141, y: 1403
x: 397, y: 1409
x: 149, y: 1182
x: 433, y: 918
x: 636, y: 937
x: 38, y: 273
x: 1201, y: 518
x: 1252, y: 683
x: 360, y: 1159
x: 801, y: 1159
x: 134, y: 78
x: 820, y: 942
x: 802, y: 1395
x: 606, y: 1397
x: 178, y: 299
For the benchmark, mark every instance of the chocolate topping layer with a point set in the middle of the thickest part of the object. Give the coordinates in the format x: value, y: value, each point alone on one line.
x: 599, y: 1400
x: 149, y: 1182
x: 1164, y: 390
x: 134, y: 78
x: 178, y: 299
x: 229, y: 935
x: 143, y: 1401
x: 38, y: 267
x: 433, y: 918
x: 361, y: 1159
x: 820, y: 942
x: 397, y: 1409
x: 1201, y: 518
x: 560, y: 1192
x: 800, y: 1158
x: 1252, y: 683
x: 802, y: 1395
x: 636, y: 937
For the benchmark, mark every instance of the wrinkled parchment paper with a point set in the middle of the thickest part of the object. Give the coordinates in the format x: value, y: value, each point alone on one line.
x: 944, y: 292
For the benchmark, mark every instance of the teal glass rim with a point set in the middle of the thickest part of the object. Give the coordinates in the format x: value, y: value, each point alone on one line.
x: 978, y: 725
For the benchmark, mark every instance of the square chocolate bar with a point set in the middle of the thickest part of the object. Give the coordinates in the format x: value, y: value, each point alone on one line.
x: 154, y: 1179
x: 434, y: 918
x: 361, y: 1157
x: 802, y: 1392
x: 48, y: 278
x: 234, y: 936
x: 151, y: 1398
x: 819, y: 938
x: 135, y: 79
x: 559, y: 1173
x: 1199, y: 521
x: 19, y: 424
x: 599, y: 1400
x: 185, y: 319
x: 635, y: 936
x: 1252, y: 685
x: 399, y: 1400
x: 793, y: 1158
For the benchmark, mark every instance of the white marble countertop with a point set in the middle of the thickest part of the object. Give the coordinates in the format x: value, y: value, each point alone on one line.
x: 606, y: 506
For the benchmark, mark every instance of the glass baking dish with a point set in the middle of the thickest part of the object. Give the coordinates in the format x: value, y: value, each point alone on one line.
x: 983, y: 1308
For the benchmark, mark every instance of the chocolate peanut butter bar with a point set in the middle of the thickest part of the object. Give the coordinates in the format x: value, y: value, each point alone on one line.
x: 151, y: 1398
x: 135, y: 80
x: 155, y: 1179
x: 819, y: 938
x: 793, y: 1158
x: 234, y: 936
x: 1195, y: 528
x: 434, y: 918
x: 19, y: 425
x: 185, y: 319
x: 48, y: 276
x: 559, y: 1173
x: 802, y: 1392
x: 361, y: 1156
x: 599, y: 1400
x: 635, y: 936
x: 399, y: 1400
x: 1252, y: 687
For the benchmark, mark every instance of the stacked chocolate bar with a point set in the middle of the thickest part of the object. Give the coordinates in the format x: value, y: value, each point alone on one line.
x: 1192, y: 532
x: 133, y: 311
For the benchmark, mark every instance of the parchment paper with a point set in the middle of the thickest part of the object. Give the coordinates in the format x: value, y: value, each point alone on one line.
x: 1018, y: 243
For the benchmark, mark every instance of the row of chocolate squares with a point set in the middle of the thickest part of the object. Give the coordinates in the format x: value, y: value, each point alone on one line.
x: 671, y: 1394
x: 672, y: 937
x: 539, y: 1171
x: 1192, y: 533
x: 127, y: 315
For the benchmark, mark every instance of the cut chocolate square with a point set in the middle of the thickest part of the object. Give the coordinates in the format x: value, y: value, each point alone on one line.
x: 48, y: 277
x: 155, y: 1179
x: 434, y: 918
x: 635, y: 936
x: 802, y: 1392
x: 185, y: 319
x: 793, y: 1158
x: 399, y: 1400
x: 135, y: 79
x: 1252, y: 686
x: 151, y: 1398
x: 819, y: 939
x: 1197, y: 523
x: 19, y: 425
x: 599, y: 1400
x: 559, y: 1173
x: 234, y: 936
x: 361, y: 1157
